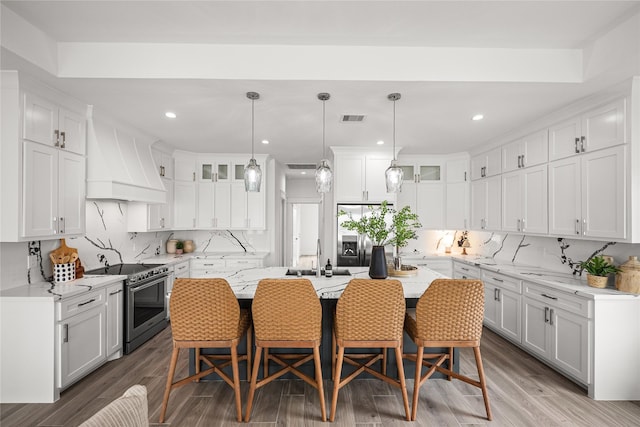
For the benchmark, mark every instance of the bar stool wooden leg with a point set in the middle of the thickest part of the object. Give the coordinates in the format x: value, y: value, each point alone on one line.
x: 254, y: 380
x: 417, y: 382
x: 167, y: 389
x: 403, y: 383
x: 333, y: 354
x: 450, y: 362
x: 197, y: 362
x: 336, y: 383
x: 249, y: 351
x: 483, y: 383
x: 384, y: 360
x: 318, y: 368
x: 236, y: 382
x: 265, y: 368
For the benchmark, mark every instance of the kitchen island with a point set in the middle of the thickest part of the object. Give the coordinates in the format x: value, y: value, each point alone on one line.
x: 245, y: 281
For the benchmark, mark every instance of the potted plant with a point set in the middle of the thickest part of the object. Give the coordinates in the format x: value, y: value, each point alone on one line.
x: 384, y: 226
x: 179, y: 247
x: 598, y: 270
x: 404, y: 224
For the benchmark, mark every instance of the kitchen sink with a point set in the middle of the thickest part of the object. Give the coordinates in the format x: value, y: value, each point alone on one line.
x: 299, y: 272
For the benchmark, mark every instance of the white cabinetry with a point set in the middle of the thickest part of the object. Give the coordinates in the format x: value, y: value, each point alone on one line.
x: 486, y: 164
x: 462, y: 270
x: 115, y: 318
x: 457, y: 194
x: 53, y: 192
x: 502, y: 301
x: 361, y: 177
x: 486, y: 207
x: 184, y: 191
x: 211, y: 267
x: 524, y: 200
x: 531, y: 150
x: 214, y: 194
x: 587, y: 195
x: 557, y: 329
x: 81, y: 336
x: 423, y: 190
x: 163, y: 162
x: 48, y: 123
x: 442, y: 265
x: 600, y: 127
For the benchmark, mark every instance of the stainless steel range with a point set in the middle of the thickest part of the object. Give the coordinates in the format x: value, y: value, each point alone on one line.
x: 145, y: 311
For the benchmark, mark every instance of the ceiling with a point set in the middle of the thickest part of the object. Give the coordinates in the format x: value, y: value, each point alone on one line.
x: 213, y: 113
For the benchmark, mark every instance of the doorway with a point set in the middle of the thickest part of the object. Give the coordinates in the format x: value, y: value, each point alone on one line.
x: 305, y: 226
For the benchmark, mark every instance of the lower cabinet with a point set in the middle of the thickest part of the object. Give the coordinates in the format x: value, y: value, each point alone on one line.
x: 439, y: 264
x: 502, y: 304
x: 465, y: 271
x: 204, y: 267
x: 557, y: 335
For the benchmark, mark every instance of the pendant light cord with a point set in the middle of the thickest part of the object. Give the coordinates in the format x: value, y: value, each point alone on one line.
x: 394, y: 129
x: 252, y: 128
x: 324, y: 150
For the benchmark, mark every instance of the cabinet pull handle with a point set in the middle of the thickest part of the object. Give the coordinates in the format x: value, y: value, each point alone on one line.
x: 498, y: 294
x: 551, y: 317
x: 161, y: 170
x: 86, y: 302
x: 522, y: 227
x: 582, y: 139
x: 577, y: 226
x: 518, y: 225
x: 549, y: 296
x: 464, y: 277
x: 522, y: 158
x: 546, y: 315
x: 465, y: 269
x: 584, y: 227
x: 497, y: 280
x: 56, y: 133
x: 66, y: 333
x: 495, y: 294
x: 194, y: 178
x: 576, y: 145
x: 115, y: 292
x: 519, y: 165
x: 64, y: 140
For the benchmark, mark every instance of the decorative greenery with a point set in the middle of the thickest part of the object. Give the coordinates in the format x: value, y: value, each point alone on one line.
x: 403, y: 224
x: 597, y: 266
x: 179, y: 244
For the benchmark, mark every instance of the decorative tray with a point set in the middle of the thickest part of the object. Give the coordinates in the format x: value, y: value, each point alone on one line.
x: 406, y: 271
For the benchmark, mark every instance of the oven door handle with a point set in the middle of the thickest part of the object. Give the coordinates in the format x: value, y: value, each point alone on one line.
x: 143, y: 287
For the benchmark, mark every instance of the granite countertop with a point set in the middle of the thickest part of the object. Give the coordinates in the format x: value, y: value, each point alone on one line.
x: 244, y: 281
x: 556, y: 280
x: 62, y: 290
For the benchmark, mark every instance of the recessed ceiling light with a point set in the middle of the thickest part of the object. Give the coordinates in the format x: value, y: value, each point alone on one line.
x: 170, y: 114
x: 381, y: 142
x: 265, y: 141
x: 303, y: 173
x: 477, y: 117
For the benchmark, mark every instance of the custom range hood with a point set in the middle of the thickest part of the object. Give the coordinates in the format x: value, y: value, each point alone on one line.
x: 120, y: 165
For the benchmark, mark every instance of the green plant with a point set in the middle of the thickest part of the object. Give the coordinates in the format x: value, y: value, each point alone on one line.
x: 179, y: 244
x: 398, y: 231
x: 597, y: 266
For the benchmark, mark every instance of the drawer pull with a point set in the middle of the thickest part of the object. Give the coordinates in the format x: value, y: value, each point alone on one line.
x: 465, y: 269
x: 66, y: 333
x: 497, y: 280
x: 550, y: 297
x: 116, y: 292
x: 86, y: 302
x: 546, y: 315
x: 551, y: 317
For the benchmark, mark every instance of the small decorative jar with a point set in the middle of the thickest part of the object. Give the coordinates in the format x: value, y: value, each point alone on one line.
x: 171, y: 246
x: 189, y: 246
x: 628, y: 280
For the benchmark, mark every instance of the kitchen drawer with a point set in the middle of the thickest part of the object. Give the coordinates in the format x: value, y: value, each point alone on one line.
x: 79, y: 304
x: 207, y: 264
x: 205, y: 273
x: 465, y: 271
x: 440, y: 265
x: 244, y: 263
x: 558, y: 299
x: 181, y: 269
x: 502, y: 281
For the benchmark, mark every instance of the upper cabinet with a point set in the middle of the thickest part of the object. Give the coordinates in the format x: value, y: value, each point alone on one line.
x: 360, y: 177
x: 531, y: 150
x: 47, y: 123
x: 486, y: 164
x: 598, y: 128
x: 163, y: 162
x: 457, y: 215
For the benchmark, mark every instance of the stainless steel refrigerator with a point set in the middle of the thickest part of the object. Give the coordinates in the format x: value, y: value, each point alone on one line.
x: 354, y: 249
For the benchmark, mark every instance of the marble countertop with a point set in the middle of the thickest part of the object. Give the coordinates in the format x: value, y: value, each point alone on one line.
x: 553, y: 279
x: 62, y: 290
x: 174, y: 259
x: 244, y: 281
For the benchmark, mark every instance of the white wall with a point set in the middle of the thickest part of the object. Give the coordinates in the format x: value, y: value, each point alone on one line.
x: 308, y: 228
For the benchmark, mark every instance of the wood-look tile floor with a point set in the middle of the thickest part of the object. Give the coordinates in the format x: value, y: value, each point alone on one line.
x: 523, y: 392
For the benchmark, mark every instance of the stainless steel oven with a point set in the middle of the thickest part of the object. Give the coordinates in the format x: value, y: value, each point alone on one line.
x: 146, y: 306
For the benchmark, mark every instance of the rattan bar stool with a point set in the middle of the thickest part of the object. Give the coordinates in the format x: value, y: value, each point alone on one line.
x: 286, y: 314
x: 448, y: 314
x: 369, y: 313
x: 205, y: 314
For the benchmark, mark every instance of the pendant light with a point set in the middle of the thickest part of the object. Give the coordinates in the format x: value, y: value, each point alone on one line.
x: 324, y: 176
x: 252, y: 172
x: 394, y: 174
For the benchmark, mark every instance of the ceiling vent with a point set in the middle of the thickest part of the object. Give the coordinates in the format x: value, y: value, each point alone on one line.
x: 301, y: 166
x: 350, y: 118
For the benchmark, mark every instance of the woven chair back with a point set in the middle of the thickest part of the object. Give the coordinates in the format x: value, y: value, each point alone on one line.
x: 203, y: 310
x: 371, y: 310
x: 286, y: 310
x: 451, y: 310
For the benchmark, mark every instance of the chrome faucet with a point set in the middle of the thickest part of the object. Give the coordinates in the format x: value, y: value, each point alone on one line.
x: 318, y: 250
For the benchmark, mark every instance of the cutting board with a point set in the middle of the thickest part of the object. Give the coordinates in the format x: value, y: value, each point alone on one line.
x: 65, y: 250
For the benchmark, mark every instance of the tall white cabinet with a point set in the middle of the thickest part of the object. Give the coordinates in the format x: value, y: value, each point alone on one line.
x: 360, y: 176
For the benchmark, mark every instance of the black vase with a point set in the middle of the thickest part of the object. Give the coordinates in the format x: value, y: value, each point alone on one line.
x: 378, y: 265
